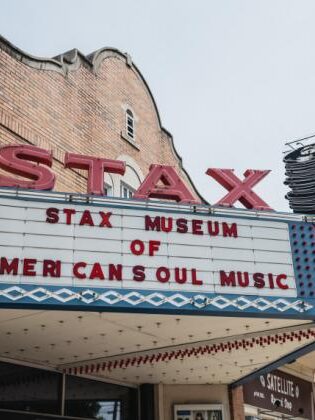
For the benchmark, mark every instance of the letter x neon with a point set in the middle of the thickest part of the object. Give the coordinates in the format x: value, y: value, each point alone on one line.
x: 238, y: 189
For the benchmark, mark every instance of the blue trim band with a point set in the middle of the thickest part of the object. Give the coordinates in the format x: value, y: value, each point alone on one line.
x: 153, y: 301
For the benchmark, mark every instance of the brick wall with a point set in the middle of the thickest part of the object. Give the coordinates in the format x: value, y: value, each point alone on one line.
x: 79, y: 107
x: 236, y: 403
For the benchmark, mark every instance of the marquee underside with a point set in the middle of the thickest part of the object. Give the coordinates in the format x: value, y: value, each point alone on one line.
x: 145, y: 348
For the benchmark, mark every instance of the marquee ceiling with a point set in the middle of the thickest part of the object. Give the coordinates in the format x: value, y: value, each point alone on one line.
x: 303, y: 366
x: 137, y: 348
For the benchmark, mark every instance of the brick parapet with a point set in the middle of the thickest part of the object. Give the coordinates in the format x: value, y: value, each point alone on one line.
x: 80, y: 110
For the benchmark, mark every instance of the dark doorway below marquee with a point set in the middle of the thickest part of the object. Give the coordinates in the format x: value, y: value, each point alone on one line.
x: 28, y: 393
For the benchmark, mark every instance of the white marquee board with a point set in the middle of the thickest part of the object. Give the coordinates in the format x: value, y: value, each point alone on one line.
x: 261, y: 246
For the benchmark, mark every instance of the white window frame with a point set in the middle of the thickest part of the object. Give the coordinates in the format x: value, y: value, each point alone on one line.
x: 108, y: 188
x: 133, y: 127
x: 129, y: 189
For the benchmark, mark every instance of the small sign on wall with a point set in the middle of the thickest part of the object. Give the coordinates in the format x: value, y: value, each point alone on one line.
x: 280, y: 392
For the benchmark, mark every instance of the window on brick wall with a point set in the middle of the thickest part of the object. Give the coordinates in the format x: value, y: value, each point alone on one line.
x: 108, y: 190
x: 126, y: 191
x: 130, y: 125
x: 108, y: 185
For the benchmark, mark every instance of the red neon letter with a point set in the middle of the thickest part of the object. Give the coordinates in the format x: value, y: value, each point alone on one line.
x: 29, y: 267
x: 163, y: 274
x: 105, y: 219
x: 279, y: 279
x: 76, y: 271
x: 52, y: 215
x: 137, y: 247
x: 96, y: 167
x: 86, y: 218
x: 13, y: 159
x: 240, y: 190
x: 97, y: 272
x: 69, y: 213
x: 173, y: 188
x: 115, y: 272
x: 154, y: 246
x: 7, y: 267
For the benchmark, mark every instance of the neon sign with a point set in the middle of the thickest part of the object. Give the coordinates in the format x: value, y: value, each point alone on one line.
x: 161, y: 182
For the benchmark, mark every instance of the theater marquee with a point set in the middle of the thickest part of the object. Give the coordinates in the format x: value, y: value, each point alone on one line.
x: 133, y: 255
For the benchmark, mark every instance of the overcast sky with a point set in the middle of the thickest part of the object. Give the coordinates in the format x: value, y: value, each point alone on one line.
x: 233, y: 80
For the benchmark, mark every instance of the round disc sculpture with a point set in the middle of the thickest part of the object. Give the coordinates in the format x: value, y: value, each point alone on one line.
x: 300, y: 177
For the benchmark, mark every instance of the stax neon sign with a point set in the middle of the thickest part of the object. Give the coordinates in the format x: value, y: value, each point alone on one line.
x: 162, y: 181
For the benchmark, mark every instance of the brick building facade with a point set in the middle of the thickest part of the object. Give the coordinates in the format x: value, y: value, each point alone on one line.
x: 77, y: 103
x: 100, y: 105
